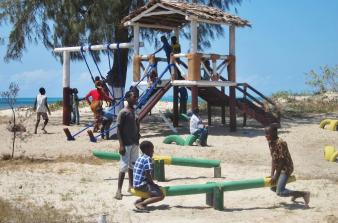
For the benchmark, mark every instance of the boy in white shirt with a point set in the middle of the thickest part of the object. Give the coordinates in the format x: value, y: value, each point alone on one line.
x: 197, y: 128
x: 41, y: 108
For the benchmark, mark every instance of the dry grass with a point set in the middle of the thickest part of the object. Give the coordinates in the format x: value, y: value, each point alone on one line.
x: 33, y: 214
x: 26, y: 161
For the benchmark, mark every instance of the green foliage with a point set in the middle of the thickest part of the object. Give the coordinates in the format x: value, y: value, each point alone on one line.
x: 9, y: 97
x: 326, y: 80
x: 78, y: 22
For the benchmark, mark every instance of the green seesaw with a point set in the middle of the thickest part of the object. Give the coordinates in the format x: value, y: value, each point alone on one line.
x: 160, y: 161
x: 214, y: 191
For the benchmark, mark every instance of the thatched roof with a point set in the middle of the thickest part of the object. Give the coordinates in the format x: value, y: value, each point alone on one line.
x: 177, y: 14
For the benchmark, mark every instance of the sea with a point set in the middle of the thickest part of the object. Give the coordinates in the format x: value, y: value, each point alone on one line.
x: 29, y: 102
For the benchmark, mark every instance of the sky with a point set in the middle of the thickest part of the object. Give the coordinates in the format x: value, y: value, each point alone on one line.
x: 288, y: 38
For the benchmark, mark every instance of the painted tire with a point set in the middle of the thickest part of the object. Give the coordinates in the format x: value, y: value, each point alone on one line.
x: 174, y: 138
x: 334, y: 157
x: 190, y: 140
x: 324, y: 123
x: 328, y: 152
x: 183, y: 117
x: 333, y: 125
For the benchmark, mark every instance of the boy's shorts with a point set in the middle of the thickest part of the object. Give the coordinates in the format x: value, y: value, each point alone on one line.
x: 128, y: 160
x: 43, y: 114
x: 153, y: 189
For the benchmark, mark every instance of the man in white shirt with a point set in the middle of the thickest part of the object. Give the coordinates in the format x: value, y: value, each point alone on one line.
x: 197, y: 128
x: 41, y: 108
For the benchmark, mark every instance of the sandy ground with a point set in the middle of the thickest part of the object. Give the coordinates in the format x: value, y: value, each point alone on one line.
x: 86, y: 189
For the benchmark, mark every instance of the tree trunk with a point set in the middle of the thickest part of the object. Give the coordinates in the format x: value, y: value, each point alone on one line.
x: 120, y: 63
x: 14, y: 132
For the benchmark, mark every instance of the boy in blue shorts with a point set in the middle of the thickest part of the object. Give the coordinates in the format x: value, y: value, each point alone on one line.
x: 142, y: 179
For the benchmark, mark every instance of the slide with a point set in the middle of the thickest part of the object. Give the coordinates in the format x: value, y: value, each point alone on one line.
x: 157, y: 95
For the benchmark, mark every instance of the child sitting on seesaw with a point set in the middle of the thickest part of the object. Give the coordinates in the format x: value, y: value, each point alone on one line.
x: 142, y: 179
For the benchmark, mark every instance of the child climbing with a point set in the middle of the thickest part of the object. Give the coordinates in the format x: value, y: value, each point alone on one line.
x: 97, y: 95
x: 142, y: 179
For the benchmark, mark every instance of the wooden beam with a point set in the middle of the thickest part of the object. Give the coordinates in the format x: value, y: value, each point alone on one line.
x: 194, y: 97
x: 66, y: 88
x: 232, y: 77
x: 193, y: 40
x: 209, y: 113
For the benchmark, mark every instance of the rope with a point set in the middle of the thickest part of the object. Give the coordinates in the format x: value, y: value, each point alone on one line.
x: 120, y: 67
x: 146, y: 96
x: 84, y: 58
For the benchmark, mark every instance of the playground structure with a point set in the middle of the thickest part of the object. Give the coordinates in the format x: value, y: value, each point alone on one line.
x: 214, y: 191
x: 160, y: 161
x: 177, y: 16
x: 66, y: 72
x: 171, y: 17
x: 331, y: 123
x: 330, y: 154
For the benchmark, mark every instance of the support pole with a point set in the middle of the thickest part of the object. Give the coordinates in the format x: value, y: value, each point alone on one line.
x: 223, y: 108
x: 159, y: 172
x: 194, y: 97
x: 209, y: 113
x: 66, y: 89
x: 136, y: 39
x: 193, y: 26
x: 232, y: 77
x: 175, y: 104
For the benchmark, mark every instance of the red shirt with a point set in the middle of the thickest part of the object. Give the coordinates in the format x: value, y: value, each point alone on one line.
x: 97, y: 95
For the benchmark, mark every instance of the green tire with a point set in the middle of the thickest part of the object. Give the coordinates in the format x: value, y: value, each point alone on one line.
x: 174, y: 138
x: 190, y: 140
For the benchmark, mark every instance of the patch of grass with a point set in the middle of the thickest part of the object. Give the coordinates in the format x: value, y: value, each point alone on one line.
x: 33, y: 214
x: 6, y: 156
x: 55, y: 106
x: 24, y: 160
x: 297, y: 105
x: 67, y: 196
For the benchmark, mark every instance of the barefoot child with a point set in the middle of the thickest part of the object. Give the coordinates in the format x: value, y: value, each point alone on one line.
x: 282, y: 166
x: 142, y: 177
x: 41, y: 108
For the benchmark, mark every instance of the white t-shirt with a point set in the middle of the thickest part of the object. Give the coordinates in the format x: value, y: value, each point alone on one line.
x: 195, y: 124
x: 41, y: 101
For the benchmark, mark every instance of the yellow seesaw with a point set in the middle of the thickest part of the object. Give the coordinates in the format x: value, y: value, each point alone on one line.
x: 330, y: 154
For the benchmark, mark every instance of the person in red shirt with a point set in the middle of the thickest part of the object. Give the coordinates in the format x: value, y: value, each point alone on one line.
x: 97, y: 95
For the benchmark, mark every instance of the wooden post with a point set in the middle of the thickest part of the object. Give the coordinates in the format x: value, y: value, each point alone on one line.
x: 175, y: 100
x: 223, y: 107
x: 193, y: 26
x: 232, y: 77
x: 173, y: 72
x: 245, y: 105
x: 159, y: 171
x: 136, y: 39
x: 194, y: 97
x: 66, y: 88
x: 209, y: 113
x: 218, y: 198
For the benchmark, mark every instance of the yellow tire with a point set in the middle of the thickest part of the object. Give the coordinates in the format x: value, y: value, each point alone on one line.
x: 328, y: 152
x: 333, y: 125
x: 324, y: 123
x: 334, y: 157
